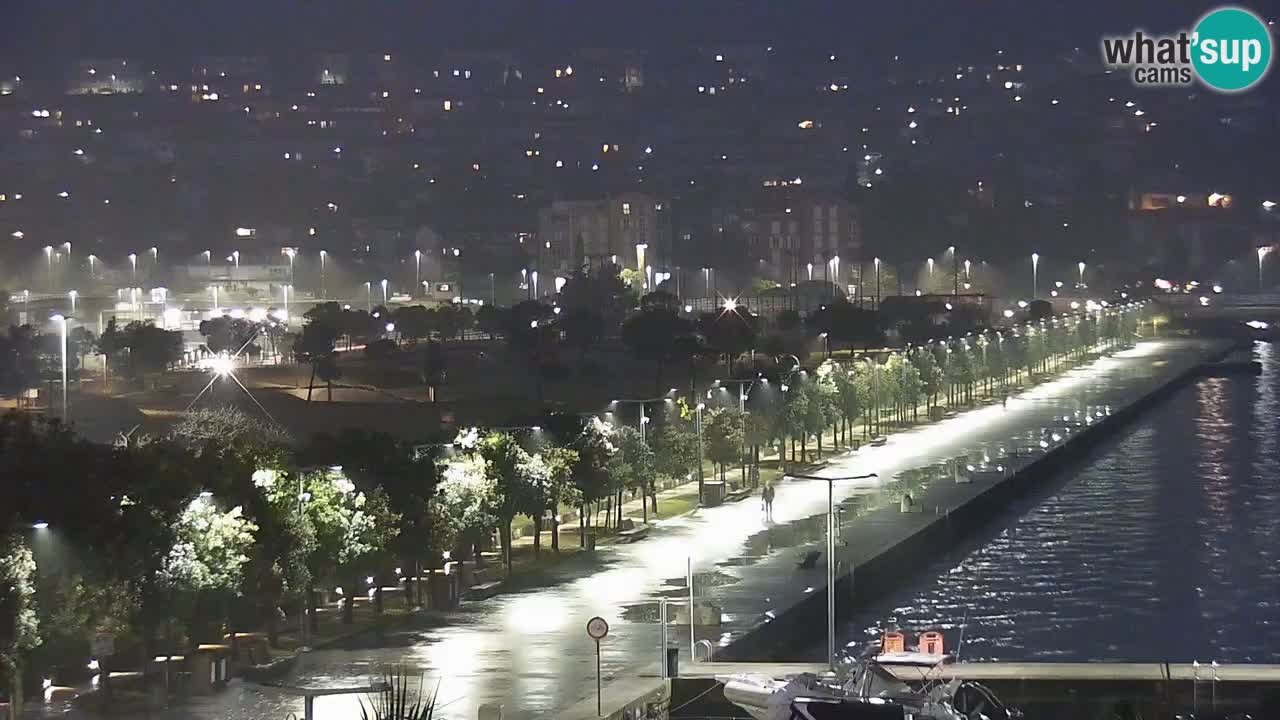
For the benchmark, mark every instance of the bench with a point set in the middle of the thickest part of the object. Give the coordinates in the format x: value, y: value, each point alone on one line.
x: 483, y: 591
x: 737, y: 495
x: 809, y: 560
x: 633, y: 534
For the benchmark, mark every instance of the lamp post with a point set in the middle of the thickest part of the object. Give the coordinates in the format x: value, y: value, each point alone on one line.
x: 955, y: 272
x: 323, y: 293
x: 1262, y: 252
x: 72, y: 294
x: 133, y: 267
x: 368, y: 296
x: 929, y: 264
x: 384, y: 291
x: 48, y: 258
x: 285, y: 289
x: 155, y: 258
x: 493, y: 291
x: 208, y: 258
x: 290, y: 253
x: 417, y: 268
x: 831, y: 551
x: 1080, y: 267
x: 744, y: 387
x: 876, y: 262
x: 235, y: 257
x: 62, y: 323
x: 1035, y: 275
x: 697, y: 422
x: 93, y: 259
x: 214, y: 290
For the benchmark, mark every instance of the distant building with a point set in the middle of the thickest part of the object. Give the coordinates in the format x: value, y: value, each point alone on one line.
x: 1194, y: 231
x: 631, y: 230
x: 815, y: 238
x: 106, y: 76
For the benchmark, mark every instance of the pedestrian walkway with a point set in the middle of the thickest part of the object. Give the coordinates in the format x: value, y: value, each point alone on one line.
x: 530, y: 652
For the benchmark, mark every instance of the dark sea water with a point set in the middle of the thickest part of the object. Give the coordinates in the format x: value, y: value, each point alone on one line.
x: 1162, y: 545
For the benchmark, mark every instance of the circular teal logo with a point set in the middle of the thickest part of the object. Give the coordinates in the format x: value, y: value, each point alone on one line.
x: 1231, y: 49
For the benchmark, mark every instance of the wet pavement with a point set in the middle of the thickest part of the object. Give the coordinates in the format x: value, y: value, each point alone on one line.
x: 530, y: 652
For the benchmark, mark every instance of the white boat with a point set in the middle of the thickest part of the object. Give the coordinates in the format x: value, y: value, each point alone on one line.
x: 897, y: 684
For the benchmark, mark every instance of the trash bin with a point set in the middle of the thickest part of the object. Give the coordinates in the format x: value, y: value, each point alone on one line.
x: 712, y: 493
x: 673, y: 662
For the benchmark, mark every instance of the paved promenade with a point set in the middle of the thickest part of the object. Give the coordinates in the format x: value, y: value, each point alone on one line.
x: 530, y: 652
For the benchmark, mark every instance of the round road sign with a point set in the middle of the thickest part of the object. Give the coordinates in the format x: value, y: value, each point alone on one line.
x: 597, y: 628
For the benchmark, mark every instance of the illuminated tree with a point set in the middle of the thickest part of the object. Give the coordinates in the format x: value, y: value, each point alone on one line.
x: 19, y: 625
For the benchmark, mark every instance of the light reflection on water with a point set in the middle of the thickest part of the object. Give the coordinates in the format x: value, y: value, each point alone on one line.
x: 1160, y: 547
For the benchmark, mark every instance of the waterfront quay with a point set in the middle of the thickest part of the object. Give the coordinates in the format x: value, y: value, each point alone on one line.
x: 529, y: 651
x: 959, y: 472
x: 755, y: 600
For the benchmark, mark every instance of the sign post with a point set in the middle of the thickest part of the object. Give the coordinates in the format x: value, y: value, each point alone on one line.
x: 597, y: 629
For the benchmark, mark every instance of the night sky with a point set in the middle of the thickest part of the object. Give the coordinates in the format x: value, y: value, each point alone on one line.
x: 955, y: 30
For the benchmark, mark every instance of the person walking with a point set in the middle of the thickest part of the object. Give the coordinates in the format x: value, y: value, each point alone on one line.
x: 768, y: 494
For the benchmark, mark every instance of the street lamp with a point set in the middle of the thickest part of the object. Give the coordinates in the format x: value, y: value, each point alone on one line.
x: 1262, y: 252
x: 92, y: 259
x: 285, y: 289
x: 1035, y: 275
x: 744, y: 387
x: 384, y: 291
x: 72, y: 294
x: 929, y: 264
x: 368, y: 296
x: 323, y: 293
x: 48, y: 257
x: 698, y: 426
x: 62, y: 323
x: 876, y: 262
x: 417, y: 268
x: 1080, y: 267
x: 826, y: 342
x: 208, y: 258
x: 133, y: 267
x: 290, y: 253
x: 831, y: 551
x: 214, y: 290
x: 955, y: 272
x: 235, y: 257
